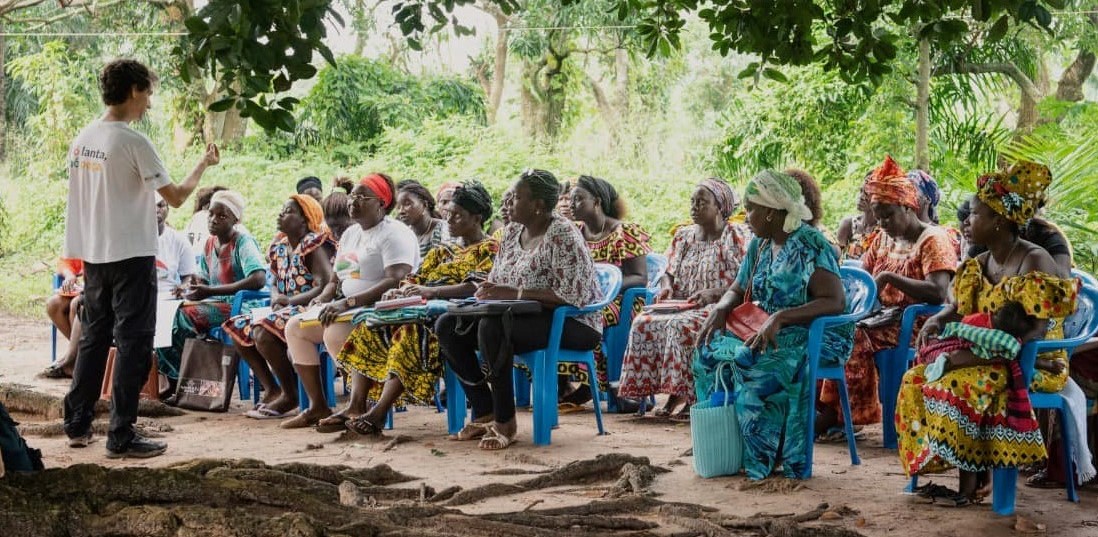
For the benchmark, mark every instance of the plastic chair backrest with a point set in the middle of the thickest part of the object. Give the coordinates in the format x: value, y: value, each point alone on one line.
x: 858, y: 284
x: 1078, y: 328
x: 657, y: 265
x: 609, y: 284
x: 1086, y: 277
x: 854, y: 263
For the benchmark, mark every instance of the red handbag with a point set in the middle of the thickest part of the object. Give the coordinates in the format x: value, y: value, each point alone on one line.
x: 745, y: 320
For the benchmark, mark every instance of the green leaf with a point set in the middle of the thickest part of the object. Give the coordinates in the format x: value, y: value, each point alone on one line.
x: 773, y: 74
x: 195, y: 25
x: 749, y: 71
x: 999, y: 29
x: 222, y: 105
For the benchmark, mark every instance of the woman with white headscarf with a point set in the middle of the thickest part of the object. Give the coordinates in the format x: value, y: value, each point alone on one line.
x: 793, y: 276
x: 230, y: 262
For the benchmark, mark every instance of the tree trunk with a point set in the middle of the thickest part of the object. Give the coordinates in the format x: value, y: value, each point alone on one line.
x: 3, y: 94
x: 610, y: 114
x: 922, y: 108
x: 1070, y: 87
x: 543, y: 97
x: 499, y: 70
x: 621, y: 81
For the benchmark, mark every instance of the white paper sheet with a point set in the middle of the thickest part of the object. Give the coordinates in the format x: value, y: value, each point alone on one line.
x: 165, y: 317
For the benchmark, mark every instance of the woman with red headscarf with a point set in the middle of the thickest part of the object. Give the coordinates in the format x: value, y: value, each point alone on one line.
x: 374, y: 255
x: 912, y: 262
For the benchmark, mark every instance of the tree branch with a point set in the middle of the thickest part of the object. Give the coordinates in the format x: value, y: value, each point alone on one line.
x: 1024, y: 83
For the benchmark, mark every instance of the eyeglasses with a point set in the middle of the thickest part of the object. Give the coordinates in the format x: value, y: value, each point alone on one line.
x: 356, y: 198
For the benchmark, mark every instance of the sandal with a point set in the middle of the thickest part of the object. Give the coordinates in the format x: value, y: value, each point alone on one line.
x: 264, y: 412
x: 1041, y: 480
x: 578, y: 396
x: 494, y: 440
x: 662, y: 412
x: 333, y: 424
x: 682, y: 416
x: 55, y: 372
x: 362, y: 426
x: 945, y: 496
x: 302, y: 420
x: 570, y: 408
x: 471, y: 431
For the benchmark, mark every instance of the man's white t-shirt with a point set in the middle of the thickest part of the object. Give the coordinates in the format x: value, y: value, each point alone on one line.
x: 174, y: 259
x: 363, y: 254
x: 113, y: 173
x: 198, y: 230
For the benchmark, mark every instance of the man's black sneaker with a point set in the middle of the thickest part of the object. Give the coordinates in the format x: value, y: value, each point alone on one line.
x: 138, y: 448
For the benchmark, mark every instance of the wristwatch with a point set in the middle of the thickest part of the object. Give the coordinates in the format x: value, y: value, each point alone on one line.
x: 351, y: 302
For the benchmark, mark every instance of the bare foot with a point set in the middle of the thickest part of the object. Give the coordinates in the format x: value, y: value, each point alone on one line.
x: 308, y: 418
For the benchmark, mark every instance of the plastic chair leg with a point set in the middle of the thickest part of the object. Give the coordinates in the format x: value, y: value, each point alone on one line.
x: 522, y: 387
x: 1004, y: 486
x: 53, y: 344
x: 455, y: 402
x: 595, y: 395
x: 389, y: 420
x: 848, y: 422
x: 244, y: 380
x: 888, y: 366
x: 327, y: 371
x: 1067, y: 437
x: 912, y: 485
x: 545, y: 398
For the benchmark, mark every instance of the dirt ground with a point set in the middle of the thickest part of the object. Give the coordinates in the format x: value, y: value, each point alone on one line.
x: 873, y: 488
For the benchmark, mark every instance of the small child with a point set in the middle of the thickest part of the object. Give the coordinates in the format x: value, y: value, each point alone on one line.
x: 981, y: 337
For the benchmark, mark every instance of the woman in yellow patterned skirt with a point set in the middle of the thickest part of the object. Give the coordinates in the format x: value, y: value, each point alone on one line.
x: 961, y: 419
x: 403, y: 361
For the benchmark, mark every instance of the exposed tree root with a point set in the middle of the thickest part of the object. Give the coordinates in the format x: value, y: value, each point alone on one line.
x: 146, y: 427
x: 23, y: 399
x: 247, y: 498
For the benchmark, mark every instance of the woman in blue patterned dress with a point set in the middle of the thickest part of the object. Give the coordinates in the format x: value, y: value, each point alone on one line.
x: 794, y: 276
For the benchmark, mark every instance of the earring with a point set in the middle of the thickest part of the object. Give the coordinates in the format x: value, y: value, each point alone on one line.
x: 769, y: 217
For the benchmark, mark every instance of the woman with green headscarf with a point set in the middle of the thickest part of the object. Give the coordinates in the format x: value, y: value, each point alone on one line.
x: 793, y: 275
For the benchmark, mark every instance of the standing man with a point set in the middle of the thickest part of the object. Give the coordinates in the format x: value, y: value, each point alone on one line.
x: 111, y: 225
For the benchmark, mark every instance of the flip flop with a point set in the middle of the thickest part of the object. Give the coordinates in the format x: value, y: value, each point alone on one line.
x: 362, y: 426
x: 494, y: 440
x: 268, y: 413
x: 333, y: 424
x: 570, y: 408
x: 682, y: 416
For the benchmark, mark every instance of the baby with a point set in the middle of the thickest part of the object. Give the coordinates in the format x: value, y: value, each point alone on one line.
x: 981, y: 337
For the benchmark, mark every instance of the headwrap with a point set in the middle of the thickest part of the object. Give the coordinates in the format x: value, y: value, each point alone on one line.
x: 603, y: 191
x: 928, y: 187
x: 1016, y: 193
x: 380, y: 187
x: 889, y: 184
x: 310, y: 208
x: 309, y: 182
x: 726, y: 199
x: 779, y: 191
x: 232, y: 200
x: 472, y: 197
x: 446, y: 187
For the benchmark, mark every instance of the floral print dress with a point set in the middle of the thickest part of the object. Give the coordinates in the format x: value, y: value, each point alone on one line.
x: 661, y: 345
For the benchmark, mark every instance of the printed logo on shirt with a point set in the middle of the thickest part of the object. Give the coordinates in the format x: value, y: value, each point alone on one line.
x: 91, y: 160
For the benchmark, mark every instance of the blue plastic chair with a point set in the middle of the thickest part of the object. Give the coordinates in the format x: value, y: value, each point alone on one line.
x: 861, y: 294
x: 1085, y: 277
x: 243, y: 372
x: 327, y: 381
x: 57, y: 280
x: 893, y: 363
x: 1078, y: 328
x: 852, y: 263
x: 543, y: 362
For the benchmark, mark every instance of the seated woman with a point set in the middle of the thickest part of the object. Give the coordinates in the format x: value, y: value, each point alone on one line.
x: 374, y: 255
x: 911, y: 262
x: 230, y: 262
x: 856, y: 232
x: 792, y: 274
x: 337, y: 215
x: 542, y: 257
x: 598, y: 210
x: 702, y: 262
x: 403, y: 361
x: 312, y: 187
x: 416, y: 208
x: 929, y: 195
x: 946, y: 423
x: 300, y: 266
x: 504, y: 212
x: 62, y: 310
x: 444, y: 195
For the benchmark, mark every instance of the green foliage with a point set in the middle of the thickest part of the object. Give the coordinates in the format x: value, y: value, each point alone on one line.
x: 255, y: 49
x: 353, y: 103
x: 58, y: 80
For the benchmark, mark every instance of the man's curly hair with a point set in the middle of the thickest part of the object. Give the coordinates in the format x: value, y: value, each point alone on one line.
x: 119, y: 77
